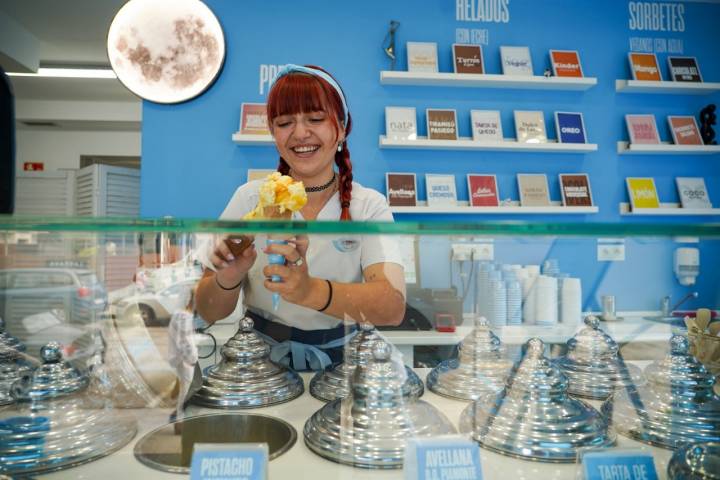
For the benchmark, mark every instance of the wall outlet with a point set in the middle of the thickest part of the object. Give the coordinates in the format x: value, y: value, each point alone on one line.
x: 483, y: 251
x: 611, y: 252
x: 476, y: 251
x: 461, y: 252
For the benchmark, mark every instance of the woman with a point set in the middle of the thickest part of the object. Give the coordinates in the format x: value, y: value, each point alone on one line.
x: 326, y: 280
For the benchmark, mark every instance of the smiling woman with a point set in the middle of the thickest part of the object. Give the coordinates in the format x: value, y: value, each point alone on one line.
x: 326, y: 279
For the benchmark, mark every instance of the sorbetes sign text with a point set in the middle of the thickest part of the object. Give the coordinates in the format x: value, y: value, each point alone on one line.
x: 489, y: 11
x: 656, y: 16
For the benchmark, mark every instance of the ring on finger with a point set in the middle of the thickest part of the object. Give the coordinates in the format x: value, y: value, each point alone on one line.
x: 297, y: 263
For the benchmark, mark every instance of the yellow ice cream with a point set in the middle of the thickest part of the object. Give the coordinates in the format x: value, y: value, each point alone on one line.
x: 280, y: 196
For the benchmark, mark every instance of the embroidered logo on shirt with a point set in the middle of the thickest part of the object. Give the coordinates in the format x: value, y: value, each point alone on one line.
x: 345, y: 245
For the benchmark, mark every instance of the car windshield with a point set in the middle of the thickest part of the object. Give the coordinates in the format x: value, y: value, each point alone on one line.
x: 87, y: 279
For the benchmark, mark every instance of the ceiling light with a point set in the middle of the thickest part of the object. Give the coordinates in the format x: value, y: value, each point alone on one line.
x: 68, y: 73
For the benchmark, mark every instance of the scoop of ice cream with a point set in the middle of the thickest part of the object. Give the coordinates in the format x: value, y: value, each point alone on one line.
x: 280, y: 195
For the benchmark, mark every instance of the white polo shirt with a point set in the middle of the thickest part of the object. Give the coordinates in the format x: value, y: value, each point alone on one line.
x: 336, y: 257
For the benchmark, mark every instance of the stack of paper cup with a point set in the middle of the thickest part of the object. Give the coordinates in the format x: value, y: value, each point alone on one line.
x: 497, y: 305
x: 529, y: 294
x: 571, y: 301
x: 546, y: 300
x: 514, y: 302
x: 483, y: 287
x: 551, y: 267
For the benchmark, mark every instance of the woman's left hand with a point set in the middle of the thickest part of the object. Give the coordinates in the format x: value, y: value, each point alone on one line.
x: 295, y: 283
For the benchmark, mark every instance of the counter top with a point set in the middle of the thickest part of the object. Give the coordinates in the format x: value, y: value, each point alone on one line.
x: 299, y: 461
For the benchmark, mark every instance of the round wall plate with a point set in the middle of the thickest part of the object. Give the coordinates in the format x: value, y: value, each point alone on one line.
x: 166, y: 51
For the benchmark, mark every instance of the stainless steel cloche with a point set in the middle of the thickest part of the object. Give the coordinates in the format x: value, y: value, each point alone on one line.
x: 480, y: 367
x: 246, y: 377
x: 696, y: 461
x: 593, y: 364
x: 534, y: 417
x: 55, y: 424
x: 369, y: 427
x: 677, y: 405
x: 334, y: 382
x: 12, y: 367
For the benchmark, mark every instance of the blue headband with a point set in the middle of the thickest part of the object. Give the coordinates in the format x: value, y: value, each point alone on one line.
x: 290, y: 68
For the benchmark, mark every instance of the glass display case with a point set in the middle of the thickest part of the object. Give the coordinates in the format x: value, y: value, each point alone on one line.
x: 536, y: 342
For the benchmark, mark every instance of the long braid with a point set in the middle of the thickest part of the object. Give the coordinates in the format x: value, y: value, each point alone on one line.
x: 342, y: 159
x: 283, y: 167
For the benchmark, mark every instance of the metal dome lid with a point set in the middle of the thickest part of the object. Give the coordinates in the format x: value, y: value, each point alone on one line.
x: 534, y: 417
x: 697, y: 461
x: 55, y: 424
x: 675, y: 407
x: 593, y: 364
x: 480, y: 367
x: 246, y: 377
x: 334, y: 382
x: 9, y: 345
x: 368, y: 428
x: 679, y: 369
x: 10, y: 371
x: 55, y: 378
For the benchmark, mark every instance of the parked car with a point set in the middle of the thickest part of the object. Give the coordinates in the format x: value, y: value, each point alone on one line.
x: 26, y: 291
x: 51, y: 304
x: 155, y: 307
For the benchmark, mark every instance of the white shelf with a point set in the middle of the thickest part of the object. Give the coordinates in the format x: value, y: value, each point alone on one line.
x: 509, y: 145
x: 514, y: 209
x: 668, y: 209
x: 677, y: 88
x: 625, y: 148
x: 486, y: 81
x: 252, y: 139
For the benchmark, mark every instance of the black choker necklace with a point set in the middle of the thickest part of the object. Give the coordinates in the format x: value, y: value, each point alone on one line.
x: 320, y: 188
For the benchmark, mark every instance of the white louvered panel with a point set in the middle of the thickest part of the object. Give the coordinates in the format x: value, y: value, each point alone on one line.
x: 85, y: 192
x: 104, y: 190
x: 45, y: 193
x: 123, y: 192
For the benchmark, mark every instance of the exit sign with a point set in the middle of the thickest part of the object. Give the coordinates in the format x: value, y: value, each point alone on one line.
x: 33, y: 166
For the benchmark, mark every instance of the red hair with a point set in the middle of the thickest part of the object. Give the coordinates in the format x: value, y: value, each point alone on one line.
x: 300, y: 92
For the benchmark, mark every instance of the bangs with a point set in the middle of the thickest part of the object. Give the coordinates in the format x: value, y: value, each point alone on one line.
x: 299, y: 93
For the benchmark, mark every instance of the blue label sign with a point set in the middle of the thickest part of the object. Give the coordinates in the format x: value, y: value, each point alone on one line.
x: 443, y: 458
x: 614, y: 465
x: 229, y: 462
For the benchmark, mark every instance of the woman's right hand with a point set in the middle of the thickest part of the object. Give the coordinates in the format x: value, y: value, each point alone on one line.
x: 231, y: 268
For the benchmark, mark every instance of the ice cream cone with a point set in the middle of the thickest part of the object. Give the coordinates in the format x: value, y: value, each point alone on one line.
x: 279, y: 197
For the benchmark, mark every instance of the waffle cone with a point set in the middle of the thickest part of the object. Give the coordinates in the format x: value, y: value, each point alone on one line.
x: 273, y: 213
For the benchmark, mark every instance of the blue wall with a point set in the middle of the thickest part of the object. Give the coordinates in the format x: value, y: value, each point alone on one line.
x: 191, y: 167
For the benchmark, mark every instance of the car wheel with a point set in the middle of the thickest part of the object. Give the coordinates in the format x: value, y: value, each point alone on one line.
x: 148, y: 315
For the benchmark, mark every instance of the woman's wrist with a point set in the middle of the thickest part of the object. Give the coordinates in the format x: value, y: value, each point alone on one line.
x: 228, y: 282
x: 317, y: 299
